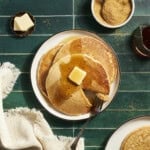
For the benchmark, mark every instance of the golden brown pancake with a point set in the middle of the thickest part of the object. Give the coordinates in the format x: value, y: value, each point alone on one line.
x: 137, y: 140
x: 67, y: 97
x: 44, y: 66
x: 97, y: 49
x: 94, y: 48
x: 79, y: 45
x: 46, y: 62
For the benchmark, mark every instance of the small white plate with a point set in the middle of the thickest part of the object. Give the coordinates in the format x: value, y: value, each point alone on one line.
x: 115, y: 141
x: 45, y: 47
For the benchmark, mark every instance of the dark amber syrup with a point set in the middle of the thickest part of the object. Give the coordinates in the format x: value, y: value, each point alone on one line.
x: 146, y: 37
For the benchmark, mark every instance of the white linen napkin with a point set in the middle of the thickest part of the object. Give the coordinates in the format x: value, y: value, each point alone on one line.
x: 24, y: 128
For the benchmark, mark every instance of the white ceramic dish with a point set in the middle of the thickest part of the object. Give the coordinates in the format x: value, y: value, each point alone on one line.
x: 105, y: 24
x: 46, y: 46
x: 119, y: 135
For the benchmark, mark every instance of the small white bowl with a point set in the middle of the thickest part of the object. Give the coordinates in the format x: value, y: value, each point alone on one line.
x: 105, y: 24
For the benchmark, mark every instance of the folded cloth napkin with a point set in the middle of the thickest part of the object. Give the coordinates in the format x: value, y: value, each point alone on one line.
x: 24, y: 128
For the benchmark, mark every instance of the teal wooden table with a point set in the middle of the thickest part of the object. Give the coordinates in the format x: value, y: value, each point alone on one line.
x: 53, y: 16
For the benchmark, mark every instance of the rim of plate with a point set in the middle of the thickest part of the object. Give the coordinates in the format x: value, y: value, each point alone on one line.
x: 45, y: 47
x: 126, y: 128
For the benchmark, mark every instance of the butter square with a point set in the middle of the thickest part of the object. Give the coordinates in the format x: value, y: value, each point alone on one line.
x: 16, y: 28
x: 23, y: 23
x: 77, y: 75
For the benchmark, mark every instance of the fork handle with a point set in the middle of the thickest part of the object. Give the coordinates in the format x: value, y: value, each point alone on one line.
x: 97, y: 110
x: 75, y: 142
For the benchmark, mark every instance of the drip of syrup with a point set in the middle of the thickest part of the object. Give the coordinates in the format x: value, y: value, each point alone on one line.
x: 146, y: 37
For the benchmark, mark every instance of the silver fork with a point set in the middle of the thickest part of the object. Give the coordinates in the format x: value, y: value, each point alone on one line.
x: 96, y: 109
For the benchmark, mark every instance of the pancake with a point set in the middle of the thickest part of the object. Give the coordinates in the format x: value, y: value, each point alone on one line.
x: 137, y: 140
x: 67, y: 97
x: 46, y: 61
x: 98, y: 50
x: 44, y: 66
x: 95, y: 48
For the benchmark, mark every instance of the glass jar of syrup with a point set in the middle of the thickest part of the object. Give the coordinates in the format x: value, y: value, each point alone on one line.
x: 141, y: 41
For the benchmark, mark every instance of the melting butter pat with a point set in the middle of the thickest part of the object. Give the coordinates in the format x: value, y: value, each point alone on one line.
x: 23, y: 23
x: 77, y: 75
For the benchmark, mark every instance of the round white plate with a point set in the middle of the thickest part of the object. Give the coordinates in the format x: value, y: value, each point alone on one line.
x: 119, y: 135
x: 45, y: 47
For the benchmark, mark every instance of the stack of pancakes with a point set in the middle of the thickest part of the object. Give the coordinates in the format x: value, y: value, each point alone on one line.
x: 137, y: 140
x: 93, y: 56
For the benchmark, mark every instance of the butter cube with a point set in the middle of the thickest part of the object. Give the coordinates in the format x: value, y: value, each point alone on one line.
x: 15, y: 27
x: 23, y: 23
x: 77, y: 75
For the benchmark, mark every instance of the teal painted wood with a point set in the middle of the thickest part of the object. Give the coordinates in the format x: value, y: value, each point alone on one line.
x: 133, y: 97
x: 25, y: 46
x: 142, y: 7
x: 38, y: 7
x: 82, y: 7
x: 137, y: 80
x: 88, y: 23
x: 44, y: 24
